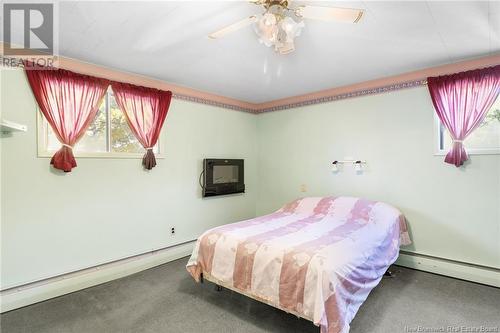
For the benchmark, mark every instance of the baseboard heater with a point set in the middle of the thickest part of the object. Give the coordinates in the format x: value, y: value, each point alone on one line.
x: 451, y: 261
x: 78, y: 272
x: 28, y: 285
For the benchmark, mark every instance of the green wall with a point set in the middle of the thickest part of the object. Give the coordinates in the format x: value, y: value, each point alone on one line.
x: 107, y: 209
x: 452, y: 212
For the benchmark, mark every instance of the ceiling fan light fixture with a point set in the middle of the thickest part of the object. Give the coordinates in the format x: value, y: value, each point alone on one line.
x: 280, y: 24
x: 266, y: 29
x: 276, y: 29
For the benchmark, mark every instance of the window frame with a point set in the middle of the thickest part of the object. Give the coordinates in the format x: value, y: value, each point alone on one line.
x: 42, y: 142
x: 439, y: 133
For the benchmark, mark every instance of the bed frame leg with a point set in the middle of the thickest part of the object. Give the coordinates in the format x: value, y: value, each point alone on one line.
x: 218, y: 288
x: 201, y: 278
x: 388, y: 273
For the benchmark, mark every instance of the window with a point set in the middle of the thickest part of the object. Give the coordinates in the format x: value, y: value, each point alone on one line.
x: 107, y: 136
x: 483, y: 140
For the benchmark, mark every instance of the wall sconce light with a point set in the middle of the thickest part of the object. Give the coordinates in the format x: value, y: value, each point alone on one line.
x: 335, y: 167
x: 358, y: 165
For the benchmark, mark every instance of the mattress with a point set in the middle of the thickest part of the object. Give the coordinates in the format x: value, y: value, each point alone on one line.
x: 316, y: 257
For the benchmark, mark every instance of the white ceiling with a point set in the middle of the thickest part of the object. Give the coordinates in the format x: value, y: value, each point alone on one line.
x: 168, y: 41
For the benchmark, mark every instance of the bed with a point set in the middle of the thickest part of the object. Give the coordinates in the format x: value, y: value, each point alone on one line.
x: 317, y: 258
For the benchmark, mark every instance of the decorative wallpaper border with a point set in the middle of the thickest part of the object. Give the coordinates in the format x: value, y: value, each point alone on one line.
x: 205, y: 101
x: 190, y: 98
x: 365, y: 92
x: 380, y: 85
x: 377, y: 86
x: 325, y: 99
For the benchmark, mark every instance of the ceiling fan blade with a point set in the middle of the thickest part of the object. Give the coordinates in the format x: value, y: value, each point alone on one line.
x: 233, y: 27
x: 349, y: 15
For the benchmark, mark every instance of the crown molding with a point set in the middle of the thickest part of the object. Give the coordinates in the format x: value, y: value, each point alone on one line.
x: 377, y: 86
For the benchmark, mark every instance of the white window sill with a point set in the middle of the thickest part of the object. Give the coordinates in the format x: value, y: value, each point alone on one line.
x: 103, y: 155
x: 472, y: 152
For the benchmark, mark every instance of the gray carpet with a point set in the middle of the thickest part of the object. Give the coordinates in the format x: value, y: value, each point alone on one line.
x: 166, y: 299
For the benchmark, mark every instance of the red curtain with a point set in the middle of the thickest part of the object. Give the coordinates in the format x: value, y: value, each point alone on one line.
x: 69, y: 101
x: 462, y: 101
x: 145, y: 110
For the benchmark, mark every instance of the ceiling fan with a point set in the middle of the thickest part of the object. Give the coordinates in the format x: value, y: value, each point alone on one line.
x: 280, y: 23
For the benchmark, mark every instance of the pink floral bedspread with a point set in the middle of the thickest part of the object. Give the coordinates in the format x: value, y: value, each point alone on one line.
x: 319, y: 257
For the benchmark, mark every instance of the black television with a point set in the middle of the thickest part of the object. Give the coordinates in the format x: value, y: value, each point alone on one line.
x: 223, y: 176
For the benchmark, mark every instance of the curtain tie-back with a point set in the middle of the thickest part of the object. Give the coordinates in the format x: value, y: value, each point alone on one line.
x: 460, y: 141
x: 139, y: 103
x: 69, y: 102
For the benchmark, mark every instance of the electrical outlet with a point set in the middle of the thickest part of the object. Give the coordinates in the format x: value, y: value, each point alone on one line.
x: 172, y: 231
x: 303, y: 188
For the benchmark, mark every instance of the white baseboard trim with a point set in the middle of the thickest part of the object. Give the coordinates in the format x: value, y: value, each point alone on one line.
x: 465, y: 271
x: 31, y: 293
